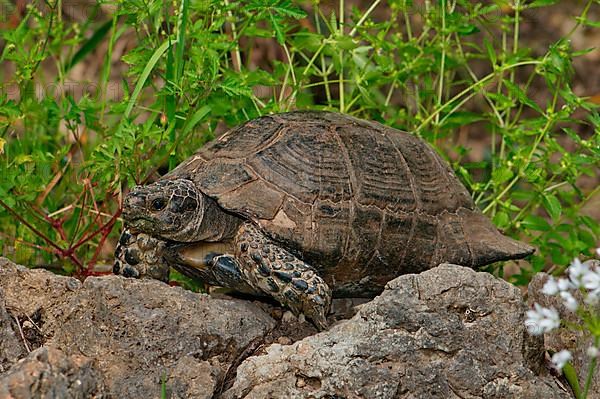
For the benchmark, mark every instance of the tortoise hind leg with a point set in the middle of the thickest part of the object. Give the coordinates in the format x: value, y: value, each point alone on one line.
x: 281, y: 275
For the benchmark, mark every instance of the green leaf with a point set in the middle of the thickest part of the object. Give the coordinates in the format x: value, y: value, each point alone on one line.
x: 489, y: 48
x: 552, y: 206
x: 23, y: 158
x: 593, y: 24
x: 520, y: 95
x: 233, y: 85
x: 277, y: 29
x: 89, y: 45
x: 537, y: 223
x: 284, y: 8
x: 346, y: 43
x: 502, y: 174
x: 541, y: 3
x: 462, y: 118
x: 307, y: 41
x: 146, y: 73
x: 171, y: 80
x: 501, y: 220
x: 182, y: 24
x: 466, y: 29
x: 571, y: 377
x: 194, y: 119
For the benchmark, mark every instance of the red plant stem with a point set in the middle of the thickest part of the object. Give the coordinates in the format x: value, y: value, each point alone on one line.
x: 83, y: 198
x: 36, y: 231
x: 28, y: 244
x: 108, y: 224
x: 94, y: 259
x: 67, y: 253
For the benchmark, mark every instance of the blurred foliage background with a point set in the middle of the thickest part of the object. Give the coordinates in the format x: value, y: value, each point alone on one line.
x: 97, y: 96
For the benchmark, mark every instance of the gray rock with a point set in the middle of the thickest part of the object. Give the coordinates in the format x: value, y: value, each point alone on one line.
x: 449, y: 332
x: 565, y: 338
x: 48, y: 373
x: 11, y: 348
x: 137, y: 333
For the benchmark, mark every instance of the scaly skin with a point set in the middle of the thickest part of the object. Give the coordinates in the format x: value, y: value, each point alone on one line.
x: 278, y: 273
x: 140, y: 255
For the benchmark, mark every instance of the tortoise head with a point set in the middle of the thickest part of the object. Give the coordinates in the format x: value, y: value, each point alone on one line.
x: 169, y: 209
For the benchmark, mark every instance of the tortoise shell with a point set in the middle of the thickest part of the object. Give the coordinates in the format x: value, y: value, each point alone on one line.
x: 359, y: 201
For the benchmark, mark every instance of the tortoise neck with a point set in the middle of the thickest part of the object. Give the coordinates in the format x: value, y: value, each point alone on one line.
x: 216, y: 224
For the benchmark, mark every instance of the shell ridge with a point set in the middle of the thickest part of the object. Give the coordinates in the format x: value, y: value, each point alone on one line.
x: 254, y: 175
x: 353, y: 185
x: 268, y: 143
x: 466, y: 241
x: 443, y: 234
x: 379, y: 234
x: 411, y: 177
x: 451, y: 187
x: 274, y: 139
x: 272, y: 185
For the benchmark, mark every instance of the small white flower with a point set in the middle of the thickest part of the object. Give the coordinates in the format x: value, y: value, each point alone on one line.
x: 598, y: 251
x: 569, y: 301
x: 576, y: 272
x: 564, y: 284
x: 592, y: 352
x: 591, y: 280
x: 550, y: 287
x: 561, y: 358
x: 541, y: 320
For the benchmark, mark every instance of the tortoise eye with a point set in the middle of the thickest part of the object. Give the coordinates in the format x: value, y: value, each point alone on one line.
x: 158, y: 204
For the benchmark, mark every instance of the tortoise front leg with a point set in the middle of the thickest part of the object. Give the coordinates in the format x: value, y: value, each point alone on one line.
x: 140, y: 255
x: 281, y: 275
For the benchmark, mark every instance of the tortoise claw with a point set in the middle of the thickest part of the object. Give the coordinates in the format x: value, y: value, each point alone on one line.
x: 317, y: 310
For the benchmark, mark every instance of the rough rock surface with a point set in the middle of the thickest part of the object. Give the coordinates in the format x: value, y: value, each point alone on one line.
x: 447, y: 333
x: 49, y: 373
x: 565, y: 338
x: 134, y: 333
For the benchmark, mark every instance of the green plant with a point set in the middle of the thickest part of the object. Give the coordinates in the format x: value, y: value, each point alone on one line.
x: 430, y: 68
x: 580, y: 293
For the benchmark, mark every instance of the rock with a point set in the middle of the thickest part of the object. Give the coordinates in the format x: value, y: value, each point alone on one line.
x: 449, y: 332
x: 49, y: 373
x: 446, y: 333
x: 565, y: 338
x: 135, y: 333
x: 11, y: 348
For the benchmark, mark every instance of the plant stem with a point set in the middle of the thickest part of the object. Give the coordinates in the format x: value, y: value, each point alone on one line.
x: 549, y: 123
x: 364, y: 17
x: 590, y: 376
x: 30, y: 227
x: 440, y: 90
x: 482, y: 81
x: 236, y: 52
x: 341, y: 56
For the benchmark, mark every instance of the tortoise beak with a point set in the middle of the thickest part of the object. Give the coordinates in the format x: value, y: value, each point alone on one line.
x: 133, y: 203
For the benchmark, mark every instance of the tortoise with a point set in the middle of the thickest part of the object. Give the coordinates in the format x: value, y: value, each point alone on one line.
x: 306, y: 206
